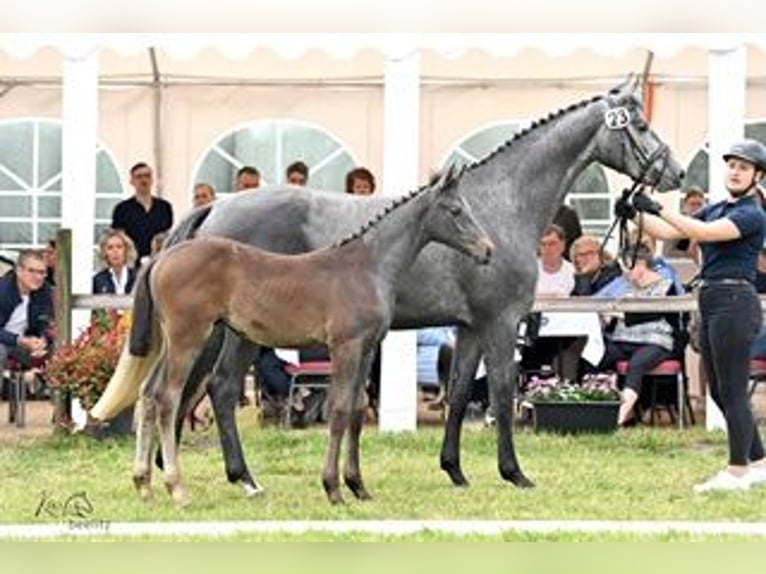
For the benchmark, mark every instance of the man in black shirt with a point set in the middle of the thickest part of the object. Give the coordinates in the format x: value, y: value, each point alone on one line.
x: 144, y: 215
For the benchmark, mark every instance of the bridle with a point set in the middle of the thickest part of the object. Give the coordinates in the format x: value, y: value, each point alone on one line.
x: 619, y: 118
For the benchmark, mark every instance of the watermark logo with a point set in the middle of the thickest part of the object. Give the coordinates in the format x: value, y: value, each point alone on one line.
x: 76, y: 510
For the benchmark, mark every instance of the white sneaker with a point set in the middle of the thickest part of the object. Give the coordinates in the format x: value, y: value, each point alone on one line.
x: 724, y: 480
x: 756, y: 475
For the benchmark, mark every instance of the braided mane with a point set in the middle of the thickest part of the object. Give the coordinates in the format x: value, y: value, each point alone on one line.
x: 453, y: 177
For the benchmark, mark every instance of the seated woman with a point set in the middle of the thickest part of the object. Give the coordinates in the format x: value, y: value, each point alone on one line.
x: 642, y: 339
x: 434, y: 346
x: 118, y: 257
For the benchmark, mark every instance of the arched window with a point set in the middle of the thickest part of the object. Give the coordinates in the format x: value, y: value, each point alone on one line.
x: 30, y: 183
x: 270, y: 146
x: 589, y: 195
x: 697, y: 171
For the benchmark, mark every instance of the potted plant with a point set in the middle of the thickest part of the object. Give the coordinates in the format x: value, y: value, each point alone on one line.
x: 84, y: 366
x: 561, y: 406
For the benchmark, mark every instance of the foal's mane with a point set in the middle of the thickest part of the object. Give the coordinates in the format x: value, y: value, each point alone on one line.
x: 454, y: 177
x: 442, y: 183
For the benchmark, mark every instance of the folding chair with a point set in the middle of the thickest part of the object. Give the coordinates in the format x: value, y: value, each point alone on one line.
x: 670, y: 369
x: 16, y: 375
x: 306, y: 375
x: 757, y: 374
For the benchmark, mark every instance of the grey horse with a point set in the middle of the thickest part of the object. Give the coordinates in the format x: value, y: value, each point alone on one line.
x: 514, y: 193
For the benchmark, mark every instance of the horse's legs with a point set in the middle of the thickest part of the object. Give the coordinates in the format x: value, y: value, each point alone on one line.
x: 147, y: 413
x: 464, y: 363
x: 352, y: 473
x: 501, y: 378
x: 345, y: 365
x: 234, y: 360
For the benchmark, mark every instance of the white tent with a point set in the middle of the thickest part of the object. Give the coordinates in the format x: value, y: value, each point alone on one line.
x: 161, y: 94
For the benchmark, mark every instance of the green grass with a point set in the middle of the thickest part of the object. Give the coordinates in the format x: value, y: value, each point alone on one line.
x: 640, y: 474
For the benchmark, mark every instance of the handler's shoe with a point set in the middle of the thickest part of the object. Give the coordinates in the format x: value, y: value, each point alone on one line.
x: 757, y: 475
x: 724, y: 480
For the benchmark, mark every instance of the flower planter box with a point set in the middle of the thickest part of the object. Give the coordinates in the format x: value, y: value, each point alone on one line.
x: 576, y: 417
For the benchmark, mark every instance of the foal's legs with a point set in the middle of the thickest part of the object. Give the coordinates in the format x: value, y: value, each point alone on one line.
x: 147, y: 414
x: 345, y: 361
x: 352, y: 473
x: 182, y: 348
x: 464, y: 363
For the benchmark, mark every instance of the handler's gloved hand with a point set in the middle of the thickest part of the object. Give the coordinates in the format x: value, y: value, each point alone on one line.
x: 623, y: 209
x: 646, y: 204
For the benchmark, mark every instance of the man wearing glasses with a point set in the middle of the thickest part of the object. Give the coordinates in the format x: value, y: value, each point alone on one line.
x: 26, y: 311
x: 144, y: 215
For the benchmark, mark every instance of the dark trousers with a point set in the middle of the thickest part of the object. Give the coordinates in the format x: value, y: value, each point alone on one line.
x: 641, y: 358
x: 731, y: 320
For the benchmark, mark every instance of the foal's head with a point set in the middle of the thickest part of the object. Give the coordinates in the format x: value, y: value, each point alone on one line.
x: 450, y: 220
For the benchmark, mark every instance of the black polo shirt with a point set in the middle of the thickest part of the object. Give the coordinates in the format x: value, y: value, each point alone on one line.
x: 141, y: 225
x: 737, y: 259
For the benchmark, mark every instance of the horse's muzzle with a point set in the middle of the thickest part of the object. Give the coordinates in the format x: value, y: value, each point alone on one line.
x: 483, y: 254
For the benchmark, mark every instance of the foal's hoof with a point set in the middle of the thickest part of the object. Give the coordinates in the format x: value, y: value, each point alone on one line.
x: 517, y: 478
x: 335, y: 497
x: 143, y: 488
x: 357, y: 488
x: 145, y: 493
x: 361, y: 493
x: 179, y: 496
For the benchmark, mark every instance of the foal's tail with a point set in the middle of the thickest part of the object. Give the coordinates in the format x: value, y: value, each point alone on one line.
x: 138, y: 357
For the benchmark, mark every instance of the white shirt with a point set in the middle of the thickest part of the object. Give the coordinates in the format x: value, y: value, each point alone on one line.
x: 120, y: 281
x: 560, y: 282
x: 17, y: 322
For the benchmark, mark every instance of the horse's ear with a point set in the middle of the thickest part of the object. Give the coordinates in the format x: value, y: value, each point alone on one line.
x: 446, y: 178
x: 626, y: 88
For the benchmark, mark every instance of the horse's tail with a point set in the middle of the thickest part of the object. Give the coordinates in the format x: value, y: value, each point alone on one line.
x: 188, y: 226
x: 143, y: 314
x: 138, y: 357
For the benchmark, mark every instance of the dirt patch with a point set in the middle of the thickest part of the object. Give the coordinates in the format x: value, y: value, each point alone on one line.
x: 39, y: 415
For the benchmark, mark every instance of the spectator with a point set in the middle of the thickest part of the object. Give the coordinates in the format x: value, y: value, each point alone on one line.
x: 661, y: 265
x: 758, y: 349
x: 684, y: 248
x: 26, y: 311
x: 143, y: 215
x: 435, y: 347
x: 360, y: 181
x: 643, y: 339
x: 248, y: 177
x: 555, y: 279
x: 118, y: 258
x: 568, y: 220
x: 594, y: 268
x: 297, y: 173
x: 204, y: 193
x: 555, y: 274
x: 50, y: 262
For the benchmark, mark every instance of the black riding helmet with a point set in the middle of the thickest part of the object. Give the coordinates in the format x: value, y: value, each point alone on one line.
x: 750, y: 150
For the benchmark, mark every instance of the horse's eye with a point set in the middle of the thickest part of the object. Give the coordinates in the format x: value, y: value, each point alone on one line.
x: 455, y: 210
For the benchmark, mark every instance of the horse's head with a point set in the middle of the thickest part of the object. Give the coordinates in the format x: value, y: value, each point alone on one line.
x: 625, y: 142
x: 450, y: 220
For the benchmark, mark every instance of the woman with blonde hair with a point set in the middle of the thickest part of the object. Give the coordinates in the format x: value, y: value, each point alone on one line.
x: 118, y: 257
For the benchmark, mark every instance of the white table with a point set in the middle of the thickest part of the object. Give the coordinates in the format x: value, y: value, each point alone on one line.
x: 574, y: 324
